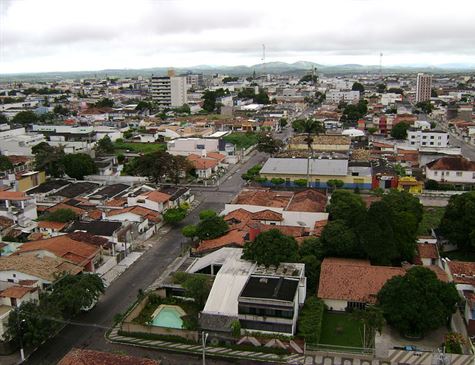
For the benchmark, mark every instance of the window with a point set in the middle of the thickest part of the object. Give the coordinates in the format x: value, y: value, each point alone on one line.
x: 439, y: 137
x: 424, y: 137
x: 458, y: 173
x: 473, y: 175
x: 431, y: 137
x: 436, y: 173
x: 200, y: 146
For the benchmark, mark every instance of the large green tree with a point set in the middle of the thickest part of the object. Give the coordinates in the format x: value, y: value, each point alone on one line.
x: 373, y: 321
x: 49, y: 159
x: 78, y: 165
x: 417, y: 302
x: 399, y: 131
x: 338, y: 239
x: 458, y: 222
x: 347, y: 206
x: 105, y: 145
x: 211, y: 227
x: 271, y: 248
x: 5, y: 163
x: 377, y: 234
x: 25, y: 117
x: 73, y: 293
x: 174, y: 215
x: 357, y: 86
x: 3, y: 119
x: 268, y: 144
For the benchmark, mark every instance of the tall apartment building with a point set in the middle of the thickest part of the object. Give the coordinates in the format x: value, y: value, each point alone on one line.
x: 423, y: 87
x: 169, y: 92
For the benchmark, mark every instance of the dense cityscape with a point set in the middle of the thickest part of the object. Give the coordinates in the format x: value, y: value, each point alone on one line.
x: 278, y: 212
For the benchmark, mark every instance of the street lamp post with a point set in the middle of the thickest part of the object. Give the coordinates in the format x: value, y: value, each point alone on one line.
x: 20, y: 338
x: 204, y: 337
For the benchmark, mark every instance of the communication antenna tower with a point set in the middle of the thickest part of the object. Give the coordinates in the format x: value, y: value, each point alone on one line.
x: 263, y: 59
x: 381, y: 65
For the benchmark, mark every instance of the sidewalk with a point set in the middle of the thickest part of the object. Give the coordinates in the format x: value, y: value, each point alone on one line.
x: 197, y: 349
x: 118, y: 269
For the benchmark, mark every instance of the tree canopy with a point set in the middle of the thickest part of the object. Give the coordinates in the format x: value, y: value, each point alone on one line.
x: 211, y: 227
x: 104, y: 102
x: 352, y: 112
x: 458, y: 222
x: 5, y: 163
x: 271, y: 248
x: 174, y: 215
x: 50, y: 159
x: 399, y: 131
x: 105, y: 145
x: 267, y: 144
x: 357, y: 86
x: 25, y: 117
x: 78, y: 165
x: 209, y: 99
x: 418, y: 301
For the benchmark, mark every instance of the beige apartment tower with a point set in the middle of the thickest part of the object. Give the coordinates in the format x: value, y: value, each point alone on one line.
x: 423, y: 87
x: 169, y: 92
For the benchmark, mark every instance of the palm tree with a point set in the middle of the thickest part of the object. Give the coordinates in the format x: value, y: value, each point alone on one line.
x: 309, y: 127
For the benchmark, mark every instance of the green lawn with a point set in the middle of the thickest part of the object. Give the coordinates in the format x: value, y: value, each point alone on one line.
x: 122, y: 147
x: 430, y: 219
x: 341, y: 329
x: 242, y: 140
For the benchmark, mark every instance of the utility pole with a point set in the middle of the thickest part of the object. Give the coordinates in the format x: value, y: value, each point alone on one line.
x: 204, y: 337
x: 20, y: 336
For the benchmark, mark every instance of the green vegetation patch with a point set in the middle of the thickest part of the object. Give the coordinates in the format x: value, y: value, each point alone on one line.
x: 341, y: 329
x: 242, y: 140
x: 139, y: 147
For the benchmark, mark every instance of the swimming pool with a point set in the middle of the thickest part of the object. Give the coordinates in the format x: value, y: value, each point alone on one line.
x: 168, y: 316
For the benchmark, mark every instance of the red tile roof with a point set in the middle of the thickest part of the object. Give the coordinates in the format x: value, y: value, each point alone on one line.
x: 267, y: 215
x: 57, y: 226
x: 264, y: 197
x: 216, y: 155
x: 158, y: 196
x: 309, y: 200
x: 463, y: 272
x: 92, y: 357
x: 13, y: 195
x: 116, y: 202
x: 204, y: 163
x: 427, y: 251
x: 455, y: 163
x: 353, y: 280
x: 17, y: 292
x: 64, y: 247
x: 232, y: 238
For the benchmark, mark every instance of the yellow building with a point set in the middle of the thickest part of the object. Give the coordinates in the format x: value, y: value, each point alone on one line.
x: 410, y: 184
x: 29, y: 180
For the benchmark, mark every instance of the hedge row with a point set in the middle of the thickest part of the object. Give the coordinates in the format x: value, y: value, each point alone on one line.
x: 310, y: 320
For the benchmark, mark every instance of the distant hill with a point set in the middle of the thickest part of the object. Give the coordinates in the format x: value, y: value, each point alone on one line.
x: 297, y: 68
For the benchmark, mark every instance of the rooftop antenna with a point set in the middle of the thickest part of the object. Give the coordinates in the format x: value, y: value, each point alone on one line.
x: 263, y: 59
x: 381, y: 65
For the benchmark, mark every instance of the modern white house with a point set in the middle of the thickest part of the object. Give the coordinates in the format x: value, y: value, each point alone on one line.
x: 201, y: 147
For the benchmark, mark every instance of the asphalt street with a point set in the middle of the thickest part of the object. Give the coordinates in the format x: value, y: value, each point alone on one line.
x: 122, y: 292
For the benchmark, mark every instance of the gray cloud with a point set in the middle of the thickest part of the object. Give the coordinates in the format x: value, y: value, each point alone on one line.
x: 53, y: 34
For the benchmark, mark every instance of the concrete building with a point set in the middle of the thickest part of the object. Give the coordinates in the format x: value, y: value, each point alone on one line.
x: 423, y: 87
x: 169, y: 92
x: 18, y: 142
x: 335, y: 96
x: 427, y: 138
x: 453, y: 170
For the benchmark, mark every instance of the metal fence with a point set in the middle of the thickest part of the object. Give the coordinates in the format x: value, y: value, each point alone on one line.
x: 338, y: 349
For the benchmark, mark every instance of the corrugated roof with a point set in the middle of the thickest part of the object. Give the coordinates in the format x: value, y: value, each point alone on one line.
x: 298, y: 166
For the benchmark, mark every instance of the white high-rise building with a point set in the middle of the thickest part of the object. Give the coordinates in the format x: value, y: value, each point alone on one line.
x: 423, y: 87
x: 169, y: 92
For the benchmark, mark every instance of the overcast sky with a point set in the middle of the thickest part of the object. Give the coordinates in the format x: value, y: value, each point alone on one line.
x: 68, y: 35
